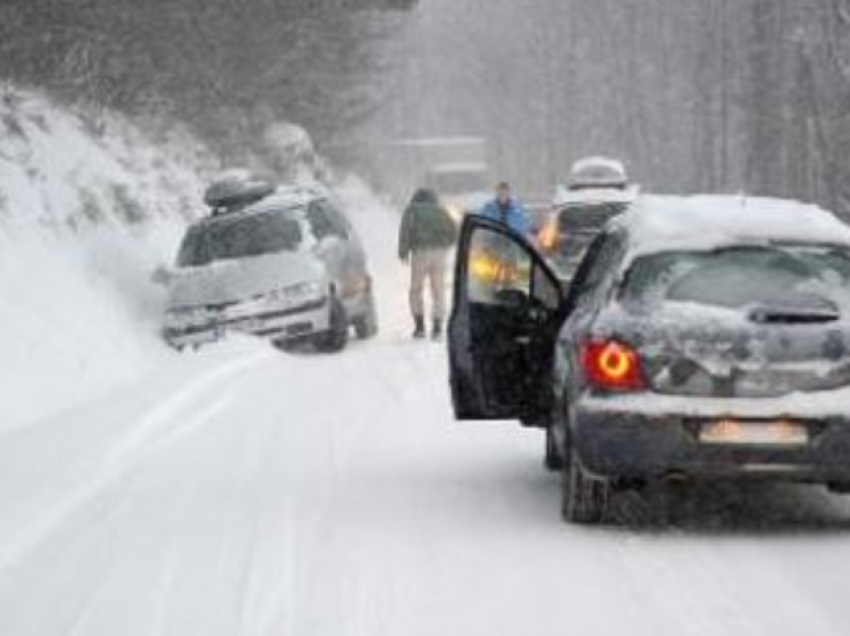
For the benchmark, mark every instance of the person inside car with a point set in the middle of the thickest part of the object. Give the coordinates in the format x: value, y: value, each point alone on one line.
x: 426, y: 235
x: 508, y: 210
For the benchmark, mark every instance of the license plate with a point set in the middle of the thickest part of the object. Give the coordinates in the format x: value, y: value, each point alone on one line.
x: 768, y: 433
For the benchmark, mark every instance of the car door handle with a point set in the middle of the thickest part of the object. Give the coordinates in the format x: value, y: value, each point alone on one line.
x: 523, y: 340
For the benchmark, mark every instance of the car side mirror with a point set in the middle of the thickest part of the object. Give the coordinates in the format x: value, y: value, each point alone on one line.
x: 162, y: 275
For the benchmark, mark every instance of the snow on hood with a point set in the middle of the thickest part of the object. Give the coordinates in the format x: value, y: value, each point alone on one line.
x: 664, y: 223
x: 234, y: 280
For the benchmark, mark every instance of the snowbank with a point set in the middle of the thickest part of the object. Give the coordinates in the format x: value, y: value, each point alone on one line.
x: 85, y: 214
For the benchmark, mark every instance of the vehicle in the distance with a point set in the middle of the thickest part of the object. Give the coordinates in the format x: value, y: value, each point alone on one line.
x: 407, y: 164
x: 598, y: 173
x: 597, y: 190
x: 283, y: 263
x: 464, y: 188
x: 701, y: 338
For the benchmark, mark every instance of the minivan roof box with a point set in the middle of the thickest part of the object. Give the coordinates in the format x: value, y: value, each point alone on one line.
x: 237, y: 189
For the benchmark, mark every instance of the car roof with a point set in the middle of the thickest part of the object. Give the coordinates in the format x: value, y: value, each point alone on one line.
x: 290, y: 196
x: 285, y: 197
x: 701, y: 223
x: 597, y: 171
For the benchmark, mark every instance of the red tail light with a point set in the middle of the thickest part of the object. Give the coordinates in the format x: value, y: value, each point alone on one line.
x: 612, y: 365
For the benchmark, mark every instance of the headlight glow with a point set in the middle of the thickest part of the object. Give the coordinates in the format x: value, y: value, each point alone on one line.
x: 456, y: 213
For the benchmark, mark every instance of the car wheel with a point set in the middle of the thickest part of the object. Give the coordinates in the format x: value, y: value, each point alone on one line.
x: 336, y: 337
x: 366, y: 326
x: 553, y: 460
x: 839, y: 488
x: 584, y: 500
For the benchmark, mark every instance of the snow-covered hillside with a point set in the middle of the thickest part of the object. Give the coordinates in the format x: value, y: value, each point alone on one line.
x: 86, y: 212
x: 88, y: 209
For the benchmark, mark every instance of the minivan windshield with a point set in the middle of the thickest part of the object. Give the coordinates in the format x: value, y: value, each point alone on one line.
x: 241, y: 237
x: 742, y: 276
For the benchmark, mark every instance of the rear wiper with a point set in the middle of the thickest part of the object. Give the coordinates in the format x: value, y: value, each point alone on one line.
x: 792, y: 316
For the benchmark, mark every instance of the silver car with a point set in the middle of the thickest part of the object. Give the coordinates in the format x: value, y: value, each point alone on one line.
x: 287, y: 267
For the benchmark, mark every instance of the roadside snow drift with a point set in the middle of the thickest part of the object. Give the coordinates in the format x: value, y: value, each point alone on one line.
x: 84, y: 218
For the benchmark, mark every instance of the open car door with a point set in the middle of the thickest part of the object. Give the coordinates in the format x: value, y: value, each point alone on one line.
x: 503, y: 326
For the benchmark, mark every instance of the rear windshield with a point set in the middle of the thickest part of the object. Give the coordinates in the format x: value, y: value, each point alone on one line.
x: 579, y: 225
x: 740, y: 277
x: 241, y: 237
x: 588, y: 217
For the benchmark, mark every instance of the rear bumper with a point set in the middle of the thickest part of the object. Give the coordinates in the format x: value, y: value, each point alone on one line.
x: 636, y: 445
x: 284, y: 325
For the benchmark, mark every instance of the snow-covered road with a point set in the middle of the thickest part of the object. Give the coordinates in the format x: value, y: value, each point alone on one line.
x: 241, y: 491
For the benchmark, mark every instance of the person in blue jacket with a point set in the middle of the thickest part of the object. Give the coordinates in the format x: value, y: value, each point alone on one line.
x: 508, y: 210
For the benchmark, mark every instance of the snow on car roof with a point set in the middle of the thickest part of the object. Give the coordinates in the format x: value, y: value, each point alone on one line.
x: 293, y: 195
x: 284, y: 196
x: 564, y: 197
x: 594, y: 163
x: 663, y: 223
x: 597, y: 171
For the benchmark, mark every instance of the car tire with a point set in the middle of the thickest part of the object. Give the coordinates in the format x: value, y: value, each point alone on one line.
x: 839, y: 488
x: 553, y: 459
x: 366, y: 326
x: 584, y: 499
x: 336, y: 337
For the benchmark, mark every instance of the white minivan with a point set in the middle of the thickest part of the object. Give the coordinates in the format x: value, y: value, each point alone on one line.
x: 282, y: 263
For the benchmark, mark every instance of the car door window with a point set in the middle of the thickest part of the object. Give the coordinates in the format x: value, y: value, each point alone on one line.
x: 597, y: 265
x: 546, y: 291
x: 326, y: 222
x: 503, y: 272
x: 499, y: 271
x: 340, y: 219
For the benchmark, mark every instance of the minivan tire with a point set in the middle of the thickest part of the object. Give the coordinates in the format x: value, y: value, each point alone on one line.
x: 366, y: 326
x: 336, y: 337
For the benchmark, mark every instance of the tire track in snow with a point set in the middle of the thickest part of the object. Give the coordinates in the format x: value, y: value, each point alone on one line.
x: 134, y: 448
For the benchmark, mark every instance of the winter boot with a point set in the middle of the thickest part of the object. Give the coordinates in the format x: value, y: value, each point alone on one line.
x: 437, y: 331
x: 419, y: 331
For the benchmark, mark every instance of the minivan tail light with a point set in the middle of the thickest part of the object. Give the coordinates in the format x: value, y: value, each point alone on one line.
x: 612, y: 365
